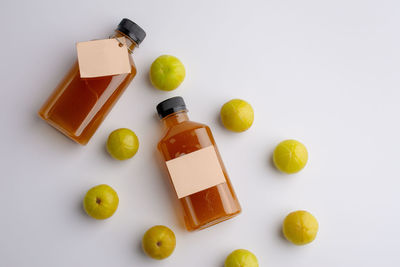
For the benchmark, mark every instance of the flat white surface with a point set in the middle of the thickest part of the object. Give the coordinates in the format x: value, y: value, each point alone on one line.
x: 323, y: 72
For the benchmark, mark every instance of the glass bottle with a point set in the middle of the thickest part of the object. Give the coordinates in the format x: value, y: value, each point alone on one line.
x: 78, y: 105
x: 182, y: 138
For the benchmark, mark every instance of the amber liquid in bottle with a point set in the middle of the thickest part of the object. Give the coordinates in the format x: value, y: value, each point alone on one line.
x: 212, y: 205
x: 78, y: 105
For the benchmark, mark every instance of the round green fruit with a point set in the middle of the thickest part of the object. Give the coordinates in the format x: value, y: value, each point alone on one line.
x: 167, y: 73
x: 101, y: 202
x: 159, y: 242
x: 241, y: 258
x: 290, y: 156
x: 300, y: 227
x: 122, y: 144
x: 237, y: 115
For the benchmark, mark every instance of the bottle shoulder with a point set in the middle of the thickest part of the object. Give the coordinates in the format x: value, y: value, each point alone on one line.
x: 181, y: 128
x: 133, y: 66
x: 185, y: 138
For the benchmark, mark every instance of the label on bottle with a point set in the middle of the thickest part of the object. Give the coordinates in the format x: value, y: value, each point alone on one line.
x: 195, y: 172
x: 103, y: 57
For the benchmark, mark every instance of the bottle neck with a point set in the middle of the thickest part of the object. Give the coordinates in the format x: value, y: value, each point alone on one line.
x: 129, y: 42
x: 175, y: 118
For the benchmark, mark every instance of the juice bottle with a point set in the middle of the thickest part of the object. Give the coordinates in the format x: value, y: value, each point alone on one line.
x: 195, y: 167
x: 78, y: 105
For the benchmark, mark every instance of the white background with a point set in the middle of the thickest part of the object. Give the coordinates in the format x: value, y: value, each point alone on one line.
x: 323, y: 72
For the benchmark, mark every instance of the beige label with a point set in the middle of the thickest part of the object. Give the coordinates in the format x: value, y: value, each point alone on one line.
x: 195, y: 172
x: 103, y: 58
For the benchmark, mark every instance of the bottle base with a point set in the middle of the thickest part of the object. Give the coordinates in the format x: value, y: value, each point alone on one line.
x: 212, y: 222
x: 67, y: 134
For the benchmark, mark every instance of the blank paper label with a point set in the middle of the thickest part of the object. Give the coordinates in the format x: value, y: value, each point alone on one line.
x: 195, y: 172
x: 103, y: 58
